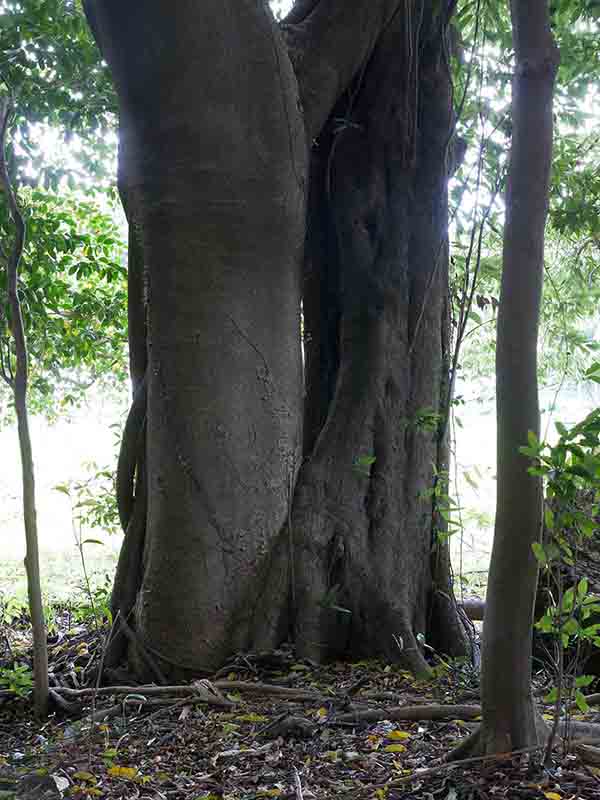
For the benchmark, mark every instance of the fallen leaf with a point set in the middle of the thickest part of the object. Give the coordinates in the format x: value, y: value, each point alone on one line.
x: 128, y: 773
x: 85, y: 776
x: 394, y: 748
x: 398, y: 735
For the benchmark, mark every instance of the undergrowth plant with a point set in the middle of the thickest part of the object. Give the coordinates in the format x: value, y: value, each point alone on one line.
x: 93, y: 507
x: 17, y: 679
x: 571, y: 616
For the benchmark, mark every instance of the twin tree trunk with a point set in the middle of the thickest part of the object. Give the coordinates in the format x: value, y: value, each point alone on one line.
x: 244, y: 529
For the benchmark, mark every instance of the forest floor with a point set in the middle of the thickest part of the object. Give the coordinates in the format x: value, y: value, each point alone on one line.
x: 266, y: 726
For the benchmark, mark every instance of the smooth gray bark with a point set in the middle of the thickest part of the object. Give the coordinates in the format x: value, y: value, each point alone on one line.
x: 214, y: 136
x: 509, y: 721
x: 213, y: 153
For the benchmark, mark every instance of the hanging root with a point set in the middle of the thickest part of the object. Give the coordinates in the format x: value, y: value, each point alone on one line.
x: 129, y: 454
x: 132, y: 512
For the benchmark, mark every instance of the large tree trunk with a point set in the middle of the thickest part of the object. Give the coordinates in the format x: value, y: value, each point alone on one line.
x: 509, y: 721
x: 213, y: 148
x: 214, y: 558
x: 370, y: 573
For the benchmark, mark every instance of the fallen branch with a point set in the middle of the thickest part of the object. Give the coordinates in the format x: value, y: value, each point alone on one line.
x: 412, y: 713
x: 587, y: 753
x: 298, y: 785
x: 269, y: 689
x: 194, y: 693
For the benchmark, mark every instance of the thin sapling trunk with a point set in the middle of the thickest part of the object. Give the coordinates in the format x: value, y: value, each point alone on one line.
x: 18, y: 384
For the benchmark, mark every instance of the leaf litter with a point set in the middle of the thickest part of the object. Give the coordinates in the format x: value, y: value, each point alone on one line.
x: 265, y: 726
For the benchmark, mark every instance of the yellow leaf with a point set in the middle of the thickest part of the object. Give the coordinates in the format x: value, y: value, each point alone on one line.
x: 252, y: 718
x: 269, y: 793
x: 322, y: 712
x: 332, y: 755
x: 552, y: 796
x: 129, y: 773
x: 398, y: 735
x: 394, y: 748
x: 84, y: 776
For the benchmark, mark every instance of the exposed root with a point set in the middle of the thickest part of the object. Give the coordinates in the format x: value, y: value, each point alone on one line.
x: 128, y: 576
x: 142, y: 652
x: 129, y: 454
x: 484, y: 742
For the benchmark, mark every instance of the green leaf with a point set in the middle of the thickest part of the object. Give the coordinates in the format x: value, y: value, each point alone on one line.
x: 552, y: 696
x: 582, y: 589
x: 539, y: 553
x: 581, y: 702
x: 561, y: 429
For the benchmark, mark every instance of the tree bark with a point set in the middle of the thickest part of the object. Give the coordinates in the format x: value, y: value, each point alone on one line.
x: 219, y: 180
x: 508, y: 713
x: 370, y: 574
x: 218, y: 191
x: 19, y: 387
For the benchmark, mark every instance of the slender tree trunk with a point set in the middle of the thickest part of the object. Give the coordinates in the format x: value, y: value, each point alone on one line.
x: 19, y: 386
x: 508, y: 713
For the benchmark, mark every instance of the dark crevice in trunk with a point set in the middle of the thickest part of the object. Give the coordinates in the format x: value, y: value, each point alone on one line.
x: 321, y: 297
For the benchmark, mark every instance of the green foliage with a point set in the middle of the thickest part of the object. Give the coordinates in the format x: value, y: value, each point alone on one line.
x: 61, y: 137
x: 445, y: 508
x: 362, y: 464
x: 18, y: 679
x: 95, y: 605
x: 93, y: 506
x: 12, y: 608
x: 571, y: 472
x: 93, y: 502
x: 73, y: 294
x: 483, y: 66
x: 54, y: 73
